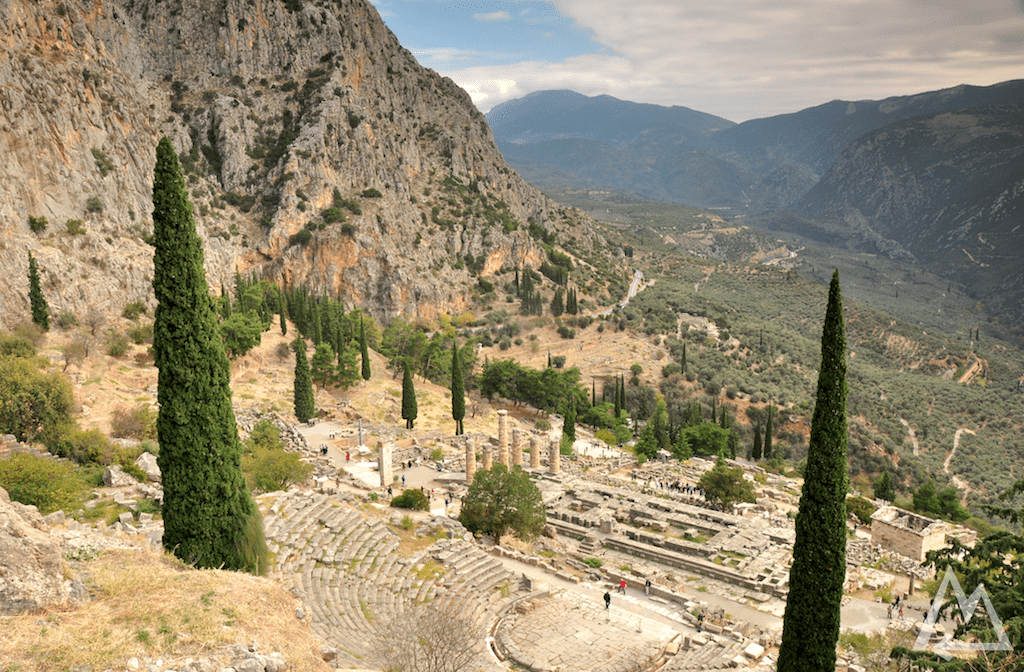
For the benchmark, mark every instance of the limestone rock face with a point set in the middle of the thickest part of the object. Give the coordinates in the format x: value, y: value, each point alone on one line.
x: 31, y: 562
x: 280, y: 111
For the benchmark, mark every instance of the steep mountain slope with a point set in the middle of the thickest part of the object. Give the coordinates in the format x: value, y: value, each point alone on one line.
x: 814, y: 137
x: 289, y: 116
x: 947, y: 189
x: 698, y: 160
x: 550, y: 115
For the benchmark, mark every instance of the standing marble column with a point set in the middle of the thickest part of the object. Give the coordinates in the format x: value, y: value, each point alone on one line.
x: 554, y: 458
x: 470, y: 461
x: 384, y: 450
x: 517, y: 447
x: 534, y: 452
x: 503, y: 437
x: 486, y: 455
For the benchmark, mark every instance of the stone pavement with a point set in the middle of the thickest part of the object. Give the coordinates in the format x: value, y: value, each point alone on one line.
x: 571, y: 631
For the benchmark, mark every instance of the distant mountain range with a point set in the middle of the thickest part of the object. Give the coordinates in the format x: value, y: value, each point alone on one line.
x: 936, y: 178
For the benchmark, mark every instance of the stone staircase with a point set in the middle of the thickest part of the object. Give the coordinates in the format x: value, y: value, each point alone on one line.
x: 707, y: 654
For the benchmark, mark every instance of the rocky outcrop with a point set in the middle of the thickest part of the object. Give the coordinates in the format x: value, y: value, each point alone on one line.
x: 280, y: 111
x: 31, y: 562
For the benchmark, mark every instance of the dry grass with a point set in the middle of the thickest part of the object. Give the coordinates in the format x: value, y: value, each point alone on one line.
x: 147, y: 605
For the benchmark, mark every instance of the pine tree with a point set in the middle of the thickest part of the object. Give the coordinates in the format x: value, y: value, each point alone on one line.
x: 305, y: 406
x: 363, y: 349
x: 769, y: 430
x: 40, y: 309
x: 883, y: 487
x: 811, y: 624
x: 756, y: 451
x: 409, y: 409
x: 209, y: 517
x: 458, y: 391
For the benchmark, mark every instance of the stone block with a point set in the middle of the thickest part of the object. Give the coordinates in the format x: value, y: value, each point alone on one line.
x: 754, y: 651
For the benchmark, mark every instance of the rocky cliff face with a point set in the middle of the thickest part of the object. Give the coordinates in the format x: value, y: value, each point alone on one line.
x: 289, y: 116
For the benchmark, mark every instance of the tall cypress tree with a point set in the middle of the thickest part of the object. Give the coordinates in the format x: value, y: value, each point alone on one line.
x: 768, y: 431
x: 283, y: 312
x: 755, y: 453
x: 305, y: 406
x: 810, y: 627
x: 363, y: 349
x: 617, y: 401
x: 209, y: 517
x: 458, y: 391
x: 40, y: 309
x: 409, y: 409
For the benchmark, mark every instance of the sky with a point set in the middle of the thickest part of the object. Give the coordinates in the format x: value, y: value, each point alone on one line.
x: 738, y: 59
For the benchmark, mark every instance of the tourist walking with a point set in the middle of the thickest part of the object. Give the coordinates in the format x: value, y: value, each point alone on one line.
x: 647, y: 587
x: 607, y: 599
x: 622, y: 586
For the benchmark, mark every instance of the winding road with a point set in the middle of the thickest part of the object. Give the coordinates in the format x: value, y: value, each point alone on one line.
x: 634, y: 287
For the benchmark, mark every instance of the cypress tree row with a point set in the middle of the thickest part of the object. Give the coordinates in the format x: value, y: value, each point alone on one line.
x: 305, y: 406
x: 209, y: 517
x: 458, y: 391
x: 40, y: 309
x: 755, y: 453
x: 363, y: 349
x: 409, y: 409
x: 810, y: 627
x: 768, y: 431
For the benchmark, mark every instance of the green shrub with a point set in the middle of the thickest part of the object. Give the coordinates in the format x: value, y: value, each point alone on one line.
x: 66, y: 320
x: 49, y: 485
x: 860, y: 508
x: 35, y: 404
x: 141, y: 333
x: 76, y: 227
x: 138, y: 422
x: 94, y: 204
x: 103, y: 162
x: 301, y: 238
x: 115, y: 343
x: 411, y: 499
x: 84, y: 446
x: 371, y: 193
x: 16, y: 346
x: 133, y: 310
x: 265, y: 463
x: 37, y: 224
x: 542, y: 425
x: 593, y: 562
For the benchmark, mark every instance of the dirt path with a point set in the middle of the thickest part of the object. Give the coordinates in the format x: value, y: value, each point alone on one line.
x: 960, y: 483
x: 913, y: 438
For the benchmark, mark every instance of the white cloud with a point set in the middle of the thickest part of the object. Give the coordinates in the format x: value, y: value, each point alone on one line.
x: 493, y: 16
x: 749, y: 58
